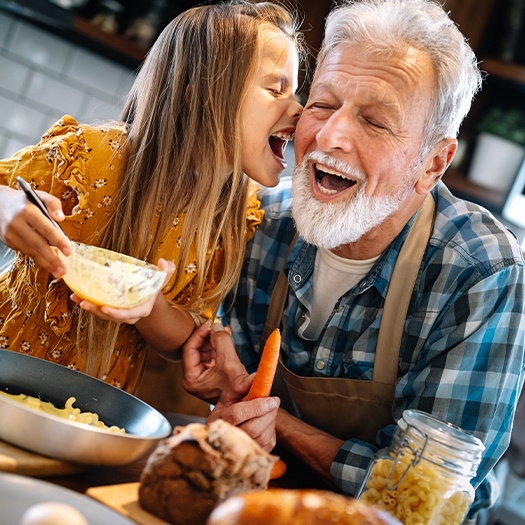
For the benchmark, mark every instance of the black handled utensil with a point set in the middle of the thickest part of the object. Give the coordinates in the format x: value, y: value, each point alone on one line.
x: 37, y: 201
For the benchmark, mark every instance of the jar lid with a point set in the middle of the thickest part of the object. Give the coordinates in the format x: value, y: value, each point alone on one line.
x: 441, y: 436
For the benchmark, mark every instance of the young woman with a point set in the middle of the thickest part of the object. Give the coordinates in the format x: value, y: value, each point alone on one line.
x: 212, y: 106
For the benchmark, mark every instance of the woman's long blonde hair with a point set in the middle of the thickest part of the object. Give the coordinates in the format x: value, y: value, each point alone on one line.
x: 183, y: 120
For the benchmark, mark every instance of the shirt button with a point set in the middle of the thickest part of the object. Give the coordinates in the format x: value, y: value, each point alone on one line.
x: 320, y: 365
x: 297, y: 278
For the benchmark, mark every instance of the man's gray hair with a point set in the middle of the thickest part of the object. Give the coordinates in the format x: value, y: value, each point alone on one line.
x: 388, y: 25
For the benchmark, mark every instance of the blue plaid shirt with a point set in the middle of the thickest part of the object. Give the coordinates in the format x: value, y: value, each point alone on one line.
x: 462, y: 352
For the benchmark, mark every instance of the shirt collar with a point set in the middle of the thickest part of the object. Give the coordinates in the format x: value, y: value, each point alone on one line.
x: 300, y: 264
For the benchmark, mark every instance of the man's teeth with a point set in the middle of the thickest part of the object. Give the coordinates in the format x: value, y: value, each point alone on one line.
x: 330, y: 171
x: 324, y: 190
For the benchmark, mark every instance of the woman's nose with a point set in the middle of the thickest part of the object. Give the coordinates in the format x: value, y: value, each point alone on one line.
x: 296, y: 110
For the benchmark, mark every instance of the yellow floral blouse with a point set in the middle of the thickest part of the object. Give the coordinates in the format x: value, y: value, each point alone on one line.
x: 81, y: 165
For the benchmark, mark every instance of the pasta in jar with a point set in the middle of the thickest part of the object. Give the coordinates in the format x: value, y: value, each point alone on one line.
x: 424, y: 478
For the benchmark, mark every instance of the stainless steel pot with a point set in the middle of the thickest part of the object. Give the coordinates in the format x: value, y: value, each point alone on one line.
x: 67, y: 440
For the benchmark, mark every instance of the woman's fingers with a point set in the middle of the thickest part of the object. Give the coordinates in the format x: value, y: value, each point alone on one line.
x: 26, y: 229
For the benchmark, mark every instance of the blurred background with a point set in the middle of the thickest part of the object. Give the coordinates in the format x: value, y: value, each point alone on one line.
x: 80, y: 57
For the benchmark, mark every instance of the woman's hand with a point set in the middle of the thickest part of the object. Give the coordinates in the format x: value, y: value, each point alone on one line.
x: 23, y: 227
x: 128, y: 315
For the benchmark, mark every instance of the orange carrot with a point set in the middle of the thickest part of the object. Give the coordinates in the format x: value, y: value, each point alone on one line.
x: 262, y: 382
x: 278, y: 469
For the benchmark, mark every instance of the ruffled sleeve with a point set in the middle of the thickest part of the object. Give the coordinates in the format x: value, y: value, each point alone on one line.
x: 81, y: 166
x: 254, y: 214
x: 72, y: 162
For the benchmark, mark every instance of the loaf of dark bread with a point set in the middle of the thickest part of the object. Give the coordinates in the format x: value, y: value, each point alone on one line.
x: 199, y: 466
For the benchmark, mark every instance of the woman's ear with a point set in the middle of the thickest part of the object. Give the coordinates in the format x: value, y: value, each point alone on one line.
x: 438, y: 160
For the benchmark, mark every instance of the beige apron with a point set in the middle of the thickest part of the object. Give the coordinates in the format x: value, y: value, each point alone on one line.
x: 351, y: 408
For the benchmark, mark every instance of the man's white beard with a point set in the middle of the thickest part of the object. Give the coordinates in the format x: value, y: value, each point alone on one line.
x: 329, y: 225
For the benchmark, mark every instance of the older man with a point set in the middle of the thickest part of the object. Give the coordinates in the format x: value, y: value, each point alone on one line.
x: 396, y: 295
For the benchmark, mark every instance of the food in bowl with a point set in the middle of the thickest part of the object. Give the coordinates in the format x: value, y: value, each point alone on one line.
x: 69, y: 412
x: 108, y: 278
x: 59, y: 438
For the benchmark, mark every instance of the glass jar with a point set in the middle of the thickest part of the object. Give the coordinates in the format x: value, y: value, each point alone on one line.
x: 424, y: 476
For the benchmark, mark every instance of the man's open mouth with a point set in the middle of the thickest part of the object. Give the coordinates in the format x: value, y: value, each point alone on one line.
x: 330, y: 181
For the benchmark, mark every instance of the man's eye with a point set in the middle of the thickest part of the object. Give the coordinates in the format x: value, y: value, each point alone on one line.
x: 375, y: 124
x: 318, y: 105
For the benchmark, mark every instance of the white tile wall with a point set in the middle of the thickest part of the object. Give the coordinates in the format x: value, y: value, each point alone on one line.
x: 39, y: 47
x: 14, y: 75
x: 5, y: 24
x: 43, y: 77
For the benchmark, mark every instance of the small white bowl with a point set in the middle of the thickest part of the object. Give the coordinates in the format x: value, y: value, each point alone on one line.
x: 108, y: 278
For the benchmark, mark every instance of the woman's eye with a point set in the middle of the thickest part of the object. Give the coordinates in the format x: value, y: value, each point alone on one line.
x: 274, y: 91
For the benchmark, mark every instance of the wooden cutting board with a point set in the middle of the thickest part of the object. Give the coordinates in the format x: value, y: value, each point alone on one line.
x: 124, y: 498
x: 26, y: 463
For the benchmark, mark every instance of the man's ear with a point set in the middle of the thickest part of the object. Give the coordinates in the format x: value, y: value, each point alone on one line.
x: 437, y: 161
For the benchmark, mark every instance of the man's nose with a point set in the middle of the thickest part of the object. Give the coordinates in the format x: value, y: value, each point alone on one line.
x: 335, y: 133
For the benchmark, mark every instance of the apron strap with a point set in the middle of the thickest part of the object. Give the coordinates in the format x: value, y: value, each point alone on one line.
x: 399, y: 293
x: 277, y: 299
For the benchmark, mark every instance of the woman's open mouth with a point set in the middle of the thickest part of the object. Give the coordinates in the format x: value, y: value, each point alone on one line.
x: 278, y: 142
x: 331, y: 182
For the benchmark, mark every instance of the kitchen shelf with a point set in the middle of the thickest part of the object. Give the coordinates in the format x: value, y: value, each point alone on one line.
x: 64, y: 23
x: 118, y: 44
x: 504, y: 84
x: 464, y: 188
x: 504, y: 70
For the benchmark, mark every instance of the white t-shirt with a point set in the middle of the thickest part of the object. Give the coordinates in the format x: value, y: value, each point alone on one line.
x: 333, y: 277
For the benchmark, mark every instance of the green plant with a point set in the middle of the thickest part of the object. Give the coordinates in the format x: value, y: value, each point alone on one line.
x: 505, y: 123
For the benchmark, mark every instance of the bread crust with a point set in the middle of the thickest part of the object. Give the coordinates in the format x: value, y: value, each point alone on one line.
x: 297, y: 507
x: 199, y: 466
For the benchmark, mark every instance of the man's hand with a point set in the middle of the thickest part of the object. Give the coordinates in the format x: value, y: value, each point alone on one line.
x: 213, y: 372
x: 211, y: 366
x: 256, y: 417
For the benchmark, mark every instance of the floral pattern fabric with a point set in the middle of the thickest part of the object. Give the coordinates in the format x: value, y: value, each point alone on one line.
x: 81, y: 165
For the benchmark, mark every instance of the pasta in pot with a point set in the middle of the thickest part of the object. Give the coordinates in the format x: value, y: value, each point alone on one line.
x: 69, y: 412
